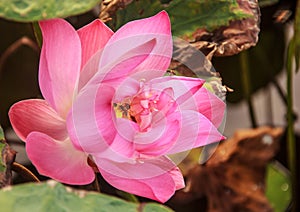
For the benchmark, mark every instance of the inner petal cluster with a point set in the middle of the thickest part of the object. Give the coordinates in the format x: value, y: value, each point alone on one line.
x: 144, y: 107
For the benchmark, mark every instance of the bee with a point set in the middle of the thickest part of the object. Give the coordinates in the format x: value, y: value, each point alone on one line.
x: 122, y: 110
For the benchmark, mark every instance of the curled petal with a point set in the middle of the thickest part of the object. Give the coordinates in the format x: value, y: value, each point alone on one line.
x: 183, y: 87
x: 160, y: 138
x: 134, y: 34
x: 196, y: 130
x: 118, y: 70
x: 157, y: 179
x: 59, y: 64
x: 58, y: 159
x: 131, y: 143
x: 126, y: 90
x: 36, y: 115
x: 208, y: 104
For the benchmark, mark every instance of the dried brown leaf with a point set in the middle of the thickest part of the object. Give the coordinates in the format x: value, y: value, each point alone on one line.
x: 229, y: 40
x: 8, y: 156
x: 110, y: 7
x: 233, y: 179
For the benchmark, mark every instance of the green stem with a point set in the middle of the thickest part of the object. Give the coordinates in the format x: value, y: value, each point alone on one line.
x: 246, y: 83
x: 291, y: 141
x: 37, y: 33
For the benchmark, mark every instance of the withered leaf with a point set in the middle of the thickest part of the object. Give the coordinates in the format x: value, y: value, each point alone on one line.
x: 110, y: 7
x: 7, y: 158
x: 233, y: 179
x: 189, y: 61
x: 228, y: 40
x: 222, y: 27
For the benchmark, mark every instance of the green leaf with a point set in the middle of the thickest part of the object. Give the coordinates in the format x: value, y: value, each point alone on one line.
x: 279, y: 187
x: 153, y: 207
x: 53, y: 196
x: 186, y: 15
x: 189, y: 15
x: 35, y: 10
x: 136, y: 10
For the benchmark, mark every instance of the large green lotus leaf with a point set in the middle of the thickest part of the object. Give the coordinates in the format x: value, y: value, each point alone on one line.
x: 278, y: 185
x: 186, y: 15
x: 34, y: 10
x: 52, y: 196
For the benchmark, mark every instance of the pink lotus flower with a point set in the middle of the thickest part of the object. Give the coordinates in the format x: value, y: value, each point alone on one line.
x: 106, y: 97
x: 130, y: 118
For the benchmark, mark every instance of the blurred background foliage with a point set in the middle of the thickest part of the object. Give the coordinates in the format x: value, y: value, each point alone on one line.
x: 18, y: 66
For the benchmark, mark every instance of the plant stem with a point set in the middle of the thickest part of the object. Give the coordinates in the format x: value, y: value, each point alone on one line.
x: 96, y: 184
x: 37, y: 33
x: 24, y: 172
x: 280, y: 92
x: 291, y: 141
x: 246, y: 83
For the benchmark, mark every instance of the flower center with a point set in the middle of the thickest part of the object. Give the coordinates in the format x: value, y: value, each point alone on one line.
x: 143, y: 107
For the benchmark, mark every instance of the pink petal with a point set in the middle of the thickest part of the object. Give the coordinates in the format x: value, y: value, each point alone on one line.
x: 124, y: 148
x: 118, y: 151
x: 58, y: 159
x: 130, y: 143
x: 196, y: 131
x: 160, y: 138
x: 36, y: 115
x: 127, y: 89
x: 89, y: 70
x: 91, y: 120
x: 118, y: 70
x: 93, y: 38
x: 157, y: 179
x: 134, y: 34
x: 208, y: 104
x: 59, y: 64
x: 183, y: 87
